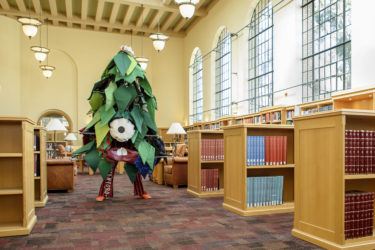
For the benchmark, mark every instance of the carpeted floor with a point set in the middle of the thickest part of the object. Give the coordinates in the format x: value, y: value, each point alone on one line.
x: 172, y: 219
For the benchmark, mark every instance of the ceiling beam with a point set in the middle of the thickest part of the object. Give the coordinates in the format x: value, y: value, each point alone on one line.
x: 99, y: 13
x: 37, y: 7
x: 167, y: 2
x: 156, y: 4
x: 128, y: 15
x: 4, y: 4
x: 84, y: 12
x: 69, y: 11
x: 139, y: 22
x: 21, y: 5
x: 155, y: 21
x: 53, y: 8
x: 180, y: 24
x: 63, y: 18
x: 112, y: 17
x: 169, y: 21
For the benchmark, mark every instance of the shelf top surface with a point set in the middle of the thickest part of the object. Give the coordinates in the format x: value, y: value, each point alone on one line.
x: 349, y: 92
x: 16, y: 118
x: 207, y: 131
x: 260, y: 126
x: 347, y: 112
x: 272, y: 109
x: 40, y: 128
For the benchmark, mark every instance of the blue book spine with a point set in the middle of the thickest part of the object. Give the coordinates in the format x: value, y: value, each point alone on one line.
x: 247, y: 151
x: 281, y: 189
x: 263, y: 156
x: 257, y: 150
x: 251, y: 191
x: 247, y: 191
x: 252, y: 150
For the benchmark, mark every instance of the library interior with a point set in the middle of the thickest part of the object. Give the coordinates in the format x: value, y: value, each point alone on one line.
x: 187, y: 124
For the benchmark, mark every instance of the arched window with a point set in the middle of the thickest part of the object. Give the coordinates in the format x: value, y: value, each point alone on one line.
x: 261, y: 57
x: 326, y: 53
x: 197, y: 87
x: 223, y: 75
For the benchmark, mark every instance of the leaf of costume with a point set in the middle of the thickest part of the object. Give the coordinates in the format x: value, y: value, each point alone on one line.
x: 93, y: 121
x: 84, y: 148
x: 100, y: 132
x: 109, y: 97
x: 96, y: 101
x: 92, y: 158
x: 131, y: 171
x: 137, y: 72
x: 147, y: 153
x: 97, y: 86
x: 104, y: 167
x: 149, y: 122
x: 124, y: 97
x: 106, y: 116
x: 146, y: 86
x: 109, y: 65
x: 112, y: 71
x: 132, y: 65
x: 136, y: 113
x: 134, y: 137
x: 151, y: 106
x: 122, y: 62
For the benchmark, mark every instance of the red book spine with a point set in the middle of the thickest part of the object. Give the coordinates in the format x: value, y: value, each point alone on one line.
x: 372, y: 143
x: 267, y: 150
x: 279, y: 150
x: 346, y: 151
x: 204, y: 180
x: 285, y: 144
x: 272, y: 150
x: 357, y: 152
x: 202, y: 149
x: 209, y: 179
x: 211, y: 149
x: 361, y: 147
x: 217, y: 179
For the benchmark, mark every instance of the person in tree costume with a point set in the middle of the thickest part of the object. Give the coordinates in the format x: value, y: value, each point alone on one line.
x: 123, y: 125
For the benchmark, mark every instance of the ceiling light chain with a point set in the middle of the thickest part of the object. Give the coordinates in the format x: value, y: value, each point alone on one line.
x: 159, y: 39
x: 47, y: 69
x: 143, y: 61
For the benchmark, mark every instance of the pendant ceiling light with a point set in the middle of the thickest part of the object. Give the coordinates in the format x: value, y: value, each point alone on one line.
x: 40, y: 52
x: 187, y: 7
x: 29, y: 24
x: 159, y: 39
x: 47, y: 69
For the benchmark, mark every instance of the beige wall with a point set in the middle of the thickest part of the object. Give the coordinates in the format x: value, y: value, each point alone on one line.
x: 80, y: 58
x: 10, y: 82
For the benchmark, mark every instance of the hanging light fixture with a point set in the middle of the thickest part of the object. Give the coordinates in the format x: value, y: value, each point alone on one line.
x: 40, y: 52
x: 29, y: 24
x: 187, y: 7
x: 47, y: 69
x: 143, y: 61
x: 159, y: 39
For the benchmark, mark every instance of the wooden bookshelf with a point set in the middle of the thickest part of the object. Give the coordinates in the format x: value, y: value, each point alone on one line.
x: 316, y: 107
x: 17, y: 212
x: 273, y: 115
x: 196, y: 164
x: 236, y: 170
x: 354, y: 99
x: 320, y: 177
x: 40, y: 179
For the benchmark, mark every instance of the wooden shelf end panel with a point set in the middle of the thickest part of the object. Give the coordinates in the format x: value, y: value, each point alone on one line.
x: 13, y: 229
x: 287, y: 207
x: 219, y: 193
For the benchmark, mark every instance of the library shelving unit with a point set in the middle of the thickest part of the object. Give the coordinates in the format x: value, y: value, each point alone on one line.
x: 354, y: 99
x: 321, y: 181
x: 273, y: 115
x: 52, y: 148
x: 40, y: 177
x: 17, y: 212
x: 196, y: 164
x: 236, y: 170
x: 316, y: 106
x: 289, y: 114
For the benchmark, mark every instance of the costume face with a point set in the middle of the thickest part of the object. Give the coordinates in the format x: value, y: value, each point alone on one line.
x: 121, y: 129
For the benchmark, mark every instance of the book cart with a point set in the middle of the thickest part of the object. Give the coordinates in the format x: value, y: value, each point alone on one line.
x: 321, y: 183
x: 196, y: 163
x: 17, y: 212
x: 236, y: 169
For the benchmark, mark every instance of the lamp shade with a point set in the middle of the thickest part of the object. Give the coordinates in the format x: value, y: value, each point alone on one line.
x: 158, y: 40
x: 187, y: 10
x: 70, y: 137
x: 176, y: 128
x: 40, y: 53
x: 143, y: 61
x: 29, y: 25
x: 55, y: 125
x: 47, y: 70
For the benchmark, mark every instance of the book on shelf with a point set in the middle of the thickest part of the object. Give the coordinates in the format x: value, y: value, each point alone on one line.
x: 309, y: 111
x: 36, y: 143
x: 266, y: 150
x: 359, y: 214
x: 212, y: 149
x: 264, y: 191
x: 36, y: 165
x: 289, y: 114
x: 359, y: 152
x: 326, y: 108
x: 210, y: 179
x: 276, y: 116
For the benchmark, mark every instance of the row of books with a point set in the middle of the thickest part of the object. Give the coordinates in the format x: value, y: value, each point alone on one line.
x: 326, y: 108
x: 264, y: 191
x: 359, y: 152
x: 212, y: 126
x: 36, y: 143
x: 36, y: 165
x: 266, y: 150
x: 210, y: 179
x: 289, y: 114
x: 212, y: 149
x: 359, y: 214
x: 268, y: 117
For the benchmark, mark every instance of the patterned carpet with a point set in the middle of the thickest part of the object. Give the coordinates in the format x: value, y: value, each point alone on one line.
x: 172, y: 219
